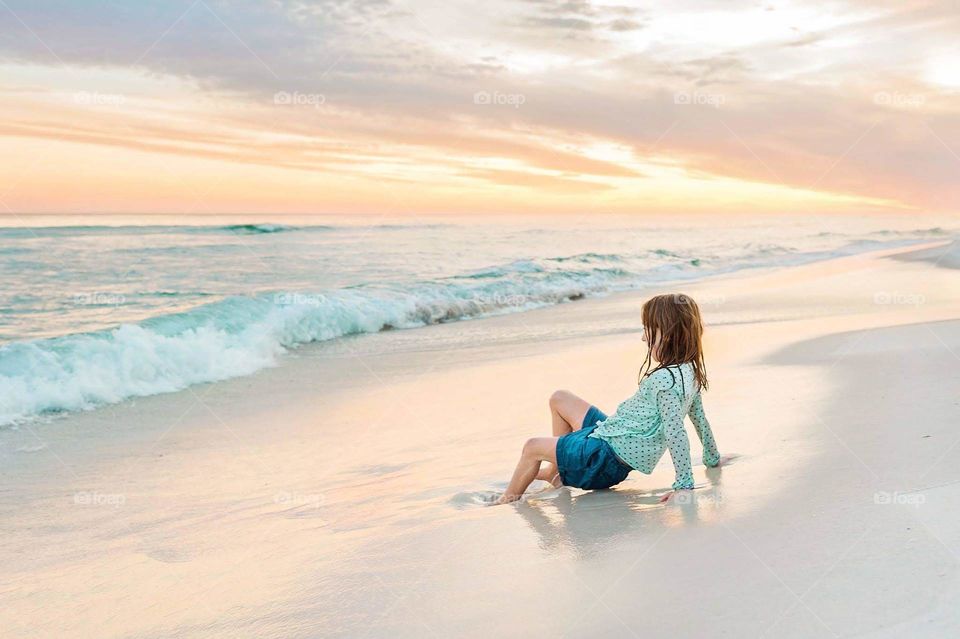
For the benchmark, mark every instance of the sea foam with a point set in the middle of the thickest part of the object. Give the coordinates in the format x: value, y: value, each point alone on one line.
x: 239, y: 335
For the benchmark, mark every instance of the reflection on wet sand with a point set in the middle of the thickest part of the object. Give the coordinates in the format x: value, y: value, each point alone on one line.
x: 584, y: 523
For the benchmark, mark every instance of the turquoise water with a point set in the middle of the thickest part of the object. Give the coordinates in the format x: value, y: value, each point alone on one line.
x: 92, y: 315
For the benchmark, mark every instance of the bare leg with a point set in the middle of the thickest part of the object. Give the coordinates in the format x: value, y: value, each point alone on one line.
x: 548, y: 472
x: 566, y: 413
x: 535, y: 451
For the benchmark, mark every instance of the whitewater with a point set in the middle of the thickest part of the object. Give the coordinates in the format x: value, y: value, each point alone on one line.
x: 94, y: 315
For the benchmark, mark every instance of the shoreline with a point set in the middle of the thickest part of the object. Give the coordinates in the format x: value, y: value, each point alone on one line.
x: 282, y: 498
x: 251, y: 354
x: 619, y: 308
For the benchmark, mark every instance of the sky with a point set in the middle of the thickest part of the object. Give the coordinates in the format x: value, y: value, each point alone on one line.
x: 444, y: 106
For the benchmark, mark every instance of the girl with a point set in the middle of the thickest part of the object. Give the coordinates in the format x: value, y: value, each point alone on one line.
x: 589, y: 450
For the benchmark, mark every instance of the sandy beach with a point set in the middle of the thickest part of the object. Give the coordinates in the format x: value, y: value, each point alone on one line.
x: 339, y: 495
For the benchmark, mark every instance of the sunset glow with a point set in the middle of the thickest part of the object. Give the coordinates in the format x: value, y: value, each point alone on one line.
x: 381, y: 107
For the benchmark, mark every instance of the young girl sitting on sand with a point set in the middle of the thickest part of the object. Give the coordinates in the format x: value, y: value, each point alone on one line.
x: 590, y: 450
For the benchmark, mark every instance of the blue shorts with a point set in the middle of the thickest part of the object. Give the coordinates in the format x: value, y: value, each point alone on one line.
x: 588, y: 462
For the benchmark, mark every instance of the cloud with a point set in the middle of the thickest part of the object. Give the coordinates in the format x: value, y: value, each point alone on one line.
x: 624, y: 24
x: 579, y: 17
x: 798, y: 108
x: 556, y: 22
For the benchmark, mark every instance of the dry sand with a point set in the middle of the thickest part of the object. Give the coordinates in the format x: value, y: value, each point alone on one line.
x: 337, y: 495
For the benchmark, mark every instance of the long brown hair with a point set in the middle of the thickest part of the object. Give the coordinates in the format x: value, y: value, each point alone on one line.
x: 675, y: 319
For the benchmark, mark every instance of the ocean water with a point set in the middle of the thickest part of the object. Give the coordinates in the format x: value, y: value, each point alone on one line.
x: 95, y: 314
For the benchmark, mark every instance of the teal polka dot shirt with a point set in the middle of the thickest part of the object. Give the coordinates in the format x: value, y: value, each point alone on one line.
x: 651, y: 421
